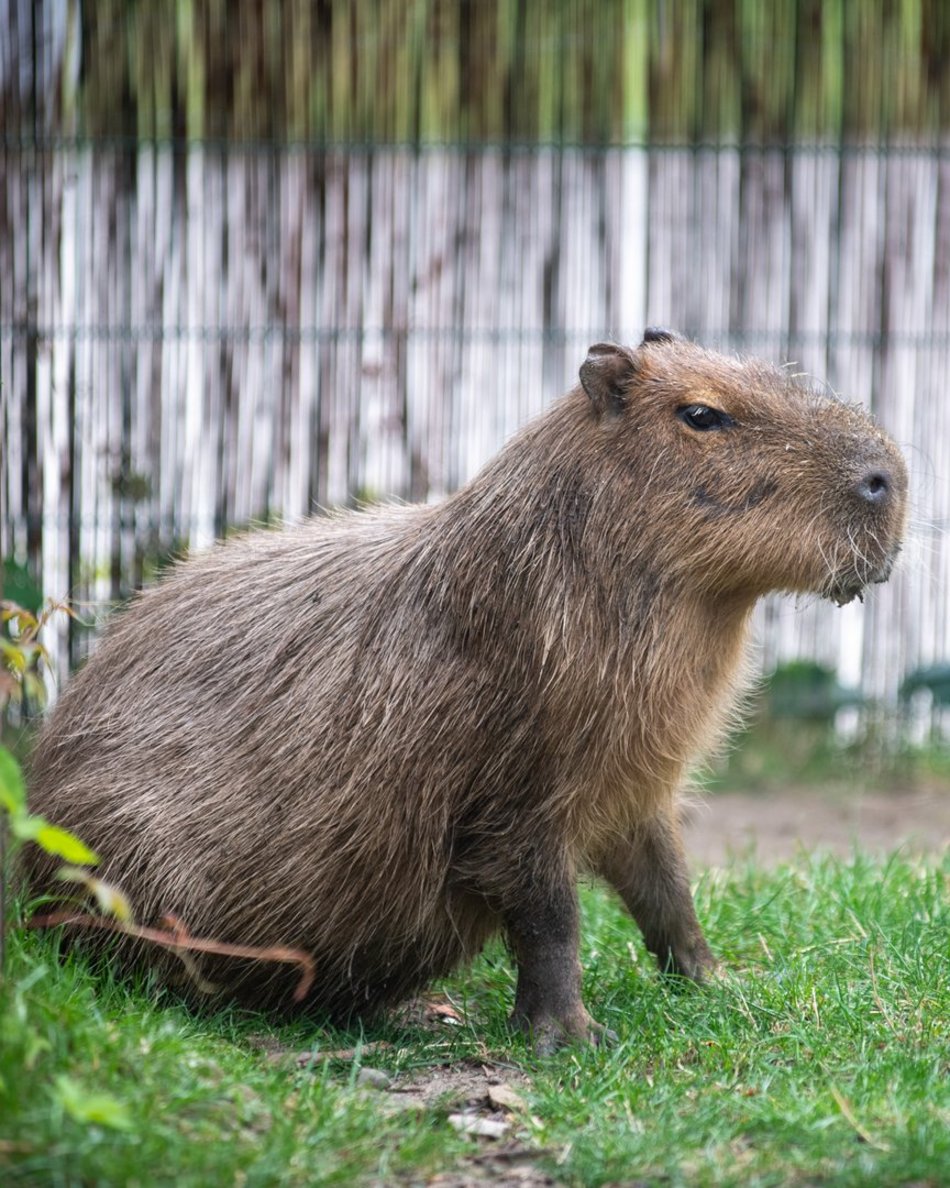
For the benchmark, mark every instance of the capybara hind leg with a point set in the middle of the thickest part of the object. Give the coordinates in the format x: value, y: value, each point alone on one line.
x: 543, y: 934
x: 648, y: 870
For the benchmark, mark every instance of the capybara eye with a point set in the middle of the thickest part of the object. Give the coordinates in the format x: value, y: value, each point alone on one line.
x: 702, y: 417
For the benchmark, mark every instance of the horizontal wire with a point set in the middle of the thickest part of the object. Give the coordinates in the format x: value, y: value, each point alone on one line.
x: 150, y: 332
x: 28, y: 142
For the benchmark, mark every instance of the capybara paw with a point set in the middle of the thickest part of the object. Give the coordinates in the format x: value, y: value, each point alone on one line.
x: 549, y: 1033
x: 691, y: 961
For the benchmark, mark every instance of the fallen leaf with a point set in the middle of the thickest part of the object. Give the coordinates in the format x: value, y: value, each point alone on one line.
x: 442, y: 1012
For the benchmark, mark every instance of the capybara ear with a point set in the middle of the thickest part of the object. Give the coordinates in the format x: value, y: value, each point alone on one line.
x: 658, y: 334
x: 606, y: 375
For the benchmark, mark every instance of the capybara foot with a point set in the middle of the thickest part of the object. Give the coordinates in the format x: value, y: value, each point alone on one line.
x: 549, y: 1033
x: 691, y: 960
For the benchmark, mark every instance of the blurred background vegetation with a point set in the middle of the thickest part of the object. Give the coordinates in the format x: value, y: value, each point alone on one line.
x: 594, y: 72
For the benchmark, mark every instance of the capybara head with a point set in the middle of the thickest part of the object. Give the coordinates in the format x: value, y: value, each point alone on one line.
x: 464, y: 706
x: 756, y: 481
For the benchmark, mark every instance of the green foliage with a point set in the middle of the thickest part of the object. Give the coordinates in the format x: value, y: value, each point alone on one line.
x: 804, y: 690
x: 21, y: 653
x: 499, y: 70
x: 26, y: 826
x: 99, y: 1109
x: 770, y: 754
x: 820, y: 1055
x: 12, y: 788
x: 19, y: 587
x: 933, y: 679
x: 790, y: 738
x: 51, y: 838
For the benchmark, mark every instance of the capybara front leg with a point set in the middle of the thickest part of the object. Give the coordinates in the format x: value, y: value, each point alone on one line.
x: 648, y: 870
x: 543, y: 936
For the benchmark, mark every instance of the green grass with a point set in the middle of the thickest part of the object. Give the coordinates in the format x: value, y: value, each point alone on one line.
x: 822, y: 1056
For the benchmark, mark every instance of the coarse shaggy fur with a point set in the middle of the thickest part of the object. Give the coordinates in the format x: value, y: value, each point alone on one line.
x: 383, y: 736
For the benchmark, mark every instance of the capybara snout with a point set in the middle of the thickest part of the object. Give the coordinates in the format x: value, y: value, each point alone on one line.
x: 459, y: 709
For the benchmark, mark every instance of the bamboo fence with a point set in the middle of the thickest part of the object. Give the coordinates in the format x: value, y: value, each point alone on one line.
x: 257, y: 259
x: 468, y: 71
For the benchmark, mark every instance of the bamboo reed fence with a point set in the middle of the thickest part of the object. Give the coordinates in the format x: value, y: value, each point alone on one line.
x: 260, y: 258
x: 449, y: 71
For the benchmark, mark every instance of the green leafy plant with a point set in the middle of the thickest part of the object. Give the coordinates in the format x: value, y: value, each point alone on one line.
x: 97, y: 1109
x: 19, y: 825
x: 71, y: 1100
x: 21, y: 679
x: 26, y: 826
x: 116, y: 911
x: 22, y: 655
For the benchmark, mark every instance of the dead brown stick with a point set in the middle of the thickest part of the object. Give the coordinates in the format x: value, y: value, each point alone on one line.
x: 176, y: 937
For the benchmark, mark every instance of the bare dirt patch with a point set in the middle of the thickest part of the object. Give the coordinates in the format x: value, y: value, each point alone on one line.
x: 774, y: 827
x: 500, y: 1166
x: 483, y: 1101
x: 467, y: 1085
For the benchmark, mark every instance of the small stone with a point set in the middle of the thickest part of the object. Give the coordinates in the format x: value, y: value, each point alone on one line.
x: 483, y: 1127
x: 504, y: 1096
x: 373, y: 1078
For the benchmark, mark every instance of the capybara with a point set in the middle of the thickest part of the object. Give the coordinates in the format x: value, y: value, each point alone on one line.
x: 383, y: 736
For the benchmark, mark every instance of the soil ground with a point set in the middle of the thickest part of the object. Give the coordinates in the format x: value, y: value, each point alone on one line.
x: 775, y: 826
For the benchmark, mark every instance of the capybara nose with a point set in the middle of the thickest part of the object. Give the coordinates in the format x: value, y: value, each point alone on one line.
x: 875, y: 488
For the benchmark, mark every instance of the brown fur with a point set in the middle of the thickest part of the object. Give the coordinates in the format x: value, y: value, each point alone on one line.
x: 383, y: 736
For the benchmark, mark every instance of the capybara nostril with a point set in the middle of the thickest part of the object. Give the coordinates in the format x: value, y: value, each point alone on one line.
x: 875, y: 487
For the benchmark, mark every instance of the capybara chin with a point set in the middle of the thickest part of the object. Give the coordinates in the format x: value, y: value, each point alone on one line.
x: 384, y: 736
